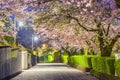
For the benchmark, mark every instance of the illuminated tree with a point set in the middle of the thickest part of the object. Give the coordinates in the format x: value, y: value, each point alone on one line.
x: 102, y: 19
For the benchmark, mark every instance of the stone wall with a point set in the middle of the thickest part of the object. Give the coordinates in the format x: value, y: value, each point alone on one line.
x: 13, y: 61
x: 10, y: 61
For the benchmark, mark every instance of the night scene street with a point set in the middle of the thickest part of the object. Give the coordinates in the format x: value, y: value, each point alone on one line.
x: 59, y: 39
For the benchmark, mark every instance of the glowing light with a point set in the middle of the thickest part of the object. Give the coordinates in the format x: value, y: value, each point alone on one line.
x: 21, y: 23
x: 35, y: 38
x: 2, y: 23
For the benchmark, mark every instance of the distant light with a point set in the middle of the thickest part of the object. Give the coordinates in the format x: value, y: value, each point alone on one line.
x: 35, y: 38
x: 2, y: 23
x: 20, y: 23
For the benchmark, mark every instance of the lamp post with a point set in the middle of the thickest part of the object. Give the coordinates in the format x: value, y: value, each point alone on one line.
x: 34, y: 38
x: 32, y: 43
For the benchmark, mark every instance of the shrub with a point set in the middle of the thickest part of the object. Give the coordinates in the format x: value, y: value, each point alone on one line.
x: 95, y: 73
x: 9, y: 39
x: 83, y: 60
x: 103, y: 65
x: 89, y: 57
x: 14, y: 53
x: 110, y: 65
x: 117, y: 67
x: 79, y: 60
x: 103, y: 76
x: 64, y: 58
x: 50, y: 58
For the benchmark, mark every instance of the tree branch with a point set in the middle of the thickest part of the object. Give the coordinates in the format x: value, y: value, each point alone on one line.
x: 103, y: 29
x: 114, y: 40
x: 108, y: 29
x: 84, y: 27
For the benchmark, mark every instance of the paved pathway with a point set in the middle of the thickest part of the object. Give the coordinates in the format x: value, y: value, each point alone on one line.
x: 53, y: 71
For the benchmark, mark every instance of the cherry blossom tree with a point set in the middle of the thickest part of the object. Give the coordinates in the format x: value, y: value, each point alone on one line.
x: 100, y: 18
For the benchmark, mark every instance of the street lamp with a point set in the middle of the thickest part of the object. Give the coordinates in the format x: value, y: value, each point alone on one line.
x: 34, y: 38
x: 21, y: 23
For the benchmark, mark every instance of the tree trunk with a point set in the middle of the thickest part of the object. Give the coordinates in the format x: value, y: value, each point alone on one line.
x: 106, y: 51
x: 105, y: 48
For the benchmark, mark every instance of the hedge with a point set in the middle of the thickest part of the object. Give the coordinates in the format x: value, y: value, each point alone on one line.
x: 64, y: 58
x: 48, y: 58
x: 104, y: 76
x: 82, y: 60
x: 103, y: 65
x: 117, y: 67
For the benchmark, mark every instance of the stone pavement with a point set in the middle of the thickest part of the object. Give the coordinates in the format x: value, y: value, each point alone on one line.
x: 53, y: 71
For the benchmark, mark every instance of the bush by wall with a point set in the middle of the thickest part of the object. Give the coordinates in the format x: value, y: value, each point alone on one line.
x: 104, y: 76
x: 64, y: 58
x: 82, y: 60
x: 48, y: 58
x: 117, y: 67
x: 103, y: 65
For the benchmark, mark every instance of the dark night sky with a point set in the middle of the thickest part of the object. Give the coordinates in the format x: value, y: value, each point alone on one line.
x: 24, y: 37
